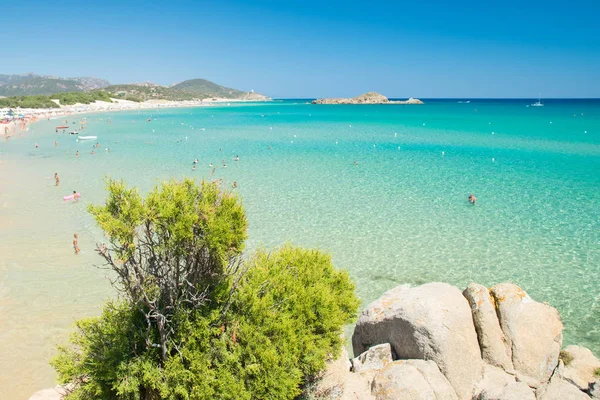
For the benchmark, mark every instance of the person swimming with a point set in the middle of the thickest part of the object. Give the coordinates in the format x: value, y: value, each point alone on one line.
x: 237, y: 158
x: 472, y: 199
x: 76, y: 243
x: 196, y: 161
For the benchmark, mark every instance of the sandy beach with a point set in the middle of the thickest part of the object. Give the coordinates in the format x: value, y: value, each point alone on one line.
x: 31, y: 115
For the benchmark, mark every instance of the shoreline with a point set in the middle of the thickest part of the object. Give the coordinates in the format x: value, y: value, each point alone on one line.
x: 32, y: 115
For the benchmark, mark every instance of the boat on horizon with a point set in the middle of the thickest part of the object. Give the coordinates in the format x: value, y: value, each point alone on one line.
x: 538, y: 103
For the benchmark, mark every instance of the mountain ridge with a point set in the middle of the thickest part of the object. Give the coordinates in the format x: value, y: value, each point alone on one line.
x: 30, y: 84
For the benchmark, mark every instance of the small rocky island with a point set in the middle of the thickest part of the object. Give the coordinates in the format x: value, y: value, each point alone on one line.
x: 367, y: 98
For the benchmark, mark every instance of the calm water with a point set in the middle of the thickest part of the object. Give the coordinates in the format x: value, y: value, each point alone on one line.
x: 399, y: 216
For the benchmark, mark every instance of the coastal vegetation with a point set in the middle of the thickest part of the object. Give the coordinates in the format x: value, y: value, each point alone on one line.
x: 195, y: 318
x: 27, y: 102
x: 65, y: 99
x: 71, y: 98
x: 145, y: 92
x: 207, y: 89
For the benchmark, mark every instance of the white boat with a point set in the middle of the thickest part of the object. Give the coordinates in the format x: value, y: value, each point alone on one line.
x: 538, y: 103
x: 87, y: 138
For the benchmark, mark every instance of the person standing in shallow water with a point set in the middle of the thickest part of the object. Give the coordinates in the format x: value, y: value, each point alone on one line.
x: 472, y: 199
x: 76, y: 243
x: 56, y: 179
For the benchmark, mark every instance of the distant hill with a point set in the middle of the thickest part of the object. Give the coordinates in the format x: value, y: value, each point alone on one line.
x: 186, y: 90
x: 35, y: 85
x: 205, y: 89
x: 31, y: 84
x: 147, y: 91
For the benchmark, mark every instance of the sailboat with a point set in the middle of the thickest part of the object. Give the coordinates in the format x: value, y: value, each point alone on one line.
x: 538, y: 103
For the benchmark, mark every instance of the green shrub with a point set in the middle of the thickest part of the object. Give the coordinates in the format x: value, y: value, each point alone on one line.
x: 597, y: 372
x: 132, y: 97
x: 565, y: 356
x: 253, y: 330
x: 27, y: 102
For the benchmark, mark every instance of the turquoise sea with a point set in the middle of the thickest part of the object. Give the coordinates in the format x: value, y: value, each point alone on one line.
x: 400, y: 215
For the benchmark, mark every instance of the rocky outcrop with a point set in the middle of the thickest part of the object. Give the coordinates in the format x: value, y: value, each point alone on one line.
x: 594, y: 390
x: 428, y: 322
x: 253, y: 96
x: 56, y: 393
x: 376, y: 357
x: 495, y: 349
x: 411, y: 379
x: 367, y: 98
x: 533, y: 331
x: 434, y: 342
x: 581, y: 368
x: 512, y: 391
x: 559, y: 389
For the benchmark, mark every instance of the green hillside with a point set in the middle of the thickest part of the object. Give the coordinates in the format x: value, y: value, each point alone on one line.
x: 205, y: 89
x: 147, y: 92
x: 31, y: 85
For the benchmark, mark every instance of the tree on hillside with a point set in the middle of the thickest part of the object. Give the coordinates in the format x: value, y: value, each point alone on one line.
x: 193, y: 321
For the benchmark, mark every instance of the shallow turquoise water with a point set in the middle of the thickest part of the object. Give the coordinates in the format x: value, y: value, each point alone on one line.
x: 399, y: 216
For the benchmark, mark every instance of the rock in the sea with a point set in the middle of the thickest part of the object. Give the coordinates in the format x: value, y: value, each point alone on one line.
x: 376, y: 357
x: 428, y: 322
x: 559, y: 389
x: 495, y: 349
x: 581, y: 368
x: 533, y: 331
x: 367, y: 98
x: 411, y: 379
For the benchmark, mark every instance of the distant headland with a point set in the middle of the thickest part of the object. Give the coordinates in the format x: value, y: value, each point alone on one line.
x: 367, y: 98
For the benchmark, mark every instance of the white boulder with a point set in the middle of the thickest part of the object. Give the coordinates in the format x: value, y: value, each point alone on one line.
x: 533, y: 331
x: 428, y: 322
x: 581, y: 369
x: 495, y: 348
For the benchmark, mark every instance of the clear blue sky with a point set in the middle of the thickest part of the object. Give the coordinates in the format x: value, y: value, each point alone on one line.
x: 307, y: 48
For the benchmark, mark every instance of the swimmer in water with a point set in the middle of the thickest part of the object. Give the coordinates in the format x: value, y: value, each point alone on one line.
x: 472, y: 199
x: 36, y: 146
x: 234, y: 184
x: 77, y: 153
x: 196, y: 161
x: 237, y: 158
x: 355, y: 162
x: 194, y: 167
x: 76, y: 243
x: 56, y: 179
